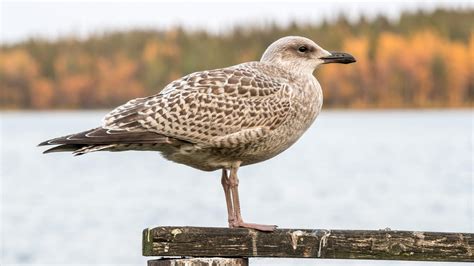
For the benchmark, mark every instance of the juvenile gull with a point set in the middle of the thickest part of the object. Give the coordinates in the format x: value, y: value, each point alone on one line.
x: 222, y: 118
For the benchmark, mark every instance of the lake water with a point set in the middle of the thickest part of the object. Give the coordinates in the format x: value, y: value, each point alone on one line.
x: 406, y: 170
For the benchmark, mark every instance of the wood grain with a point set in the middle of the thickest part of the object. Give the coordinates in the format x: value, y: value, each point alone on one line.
x: 304, y: 243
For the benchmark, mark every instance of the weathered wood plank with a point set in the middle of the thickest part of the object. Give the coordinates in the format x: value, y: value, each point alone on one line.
x: 303, y: 243
x: 200, y: 262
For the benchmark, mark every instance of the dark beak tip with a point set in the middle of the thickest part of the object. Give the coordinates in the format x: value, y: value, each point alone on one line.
x: 351, y: 60
x: 338, y: 57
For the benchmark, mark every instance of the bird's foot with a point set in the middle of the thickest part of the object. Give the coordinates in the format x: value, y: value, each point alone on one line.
x: 260, y: 227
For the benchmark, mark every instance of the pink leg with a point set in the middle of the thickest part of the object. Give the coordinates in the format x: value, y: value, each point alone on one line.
x: 238, y: 221
x: 228, y: 200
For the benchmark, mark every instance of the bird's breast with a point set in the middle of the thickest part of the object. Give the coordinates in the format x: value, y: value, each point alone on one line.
x: 306, y: 103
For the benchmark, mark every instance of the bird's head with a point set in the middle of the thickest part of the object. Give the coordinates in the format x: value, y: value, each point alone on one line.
x: 302, y: 54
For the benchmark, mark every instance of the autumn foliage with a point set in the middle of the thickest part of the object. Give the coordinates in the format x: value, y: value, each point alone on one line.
x: 422, y: 60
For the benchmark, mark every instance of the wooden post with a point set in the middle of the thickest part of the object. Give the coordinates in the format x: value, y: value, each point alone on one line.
x: 304, y: 243
x: 200, y: 262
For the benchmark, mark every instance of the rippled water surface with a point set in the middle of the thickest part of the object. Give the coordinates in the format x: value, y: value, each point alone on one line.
x: 406, y: 170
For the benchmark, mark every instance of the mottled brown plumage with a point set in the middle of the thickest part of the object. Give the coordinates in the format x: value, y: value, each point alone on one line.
x: 222, y: 118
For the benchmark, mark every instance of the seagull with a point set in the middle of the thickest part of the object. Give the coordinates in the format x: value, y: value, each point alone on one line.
x: 220, y: 119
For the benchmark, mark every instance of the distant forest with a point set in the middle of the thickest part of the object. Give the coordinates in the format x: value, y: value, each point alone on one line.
x: 424, y: 59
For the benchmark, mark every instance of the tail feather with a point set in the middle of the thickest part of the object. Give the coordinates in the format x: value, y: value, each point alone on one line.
x: 107, y: 136
x: 101, y: 139
x: 92, y: 148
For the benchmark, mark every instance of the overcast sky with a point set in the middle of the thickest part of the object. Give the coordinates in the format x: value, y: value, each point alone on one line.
x: 51, y: 19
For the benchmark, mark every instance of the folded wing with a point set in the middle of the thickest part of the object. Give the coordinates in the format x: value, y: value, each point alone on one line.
x: 206, y: 107
x: 218, y: 108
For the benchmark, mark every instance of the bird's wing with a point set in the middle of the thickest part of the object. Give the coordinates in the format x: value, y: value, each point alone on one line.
x: 220, y: 108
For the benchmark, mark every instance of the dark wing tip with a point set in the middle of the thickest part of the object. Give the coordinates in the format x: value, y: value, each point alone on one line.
x: 44, y: 143
x: 55, y: 141
x: 66, y: 139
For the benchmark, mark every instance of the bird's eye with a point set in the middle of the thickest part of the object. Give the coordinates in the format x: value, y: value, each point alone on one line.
x: 302, y: 49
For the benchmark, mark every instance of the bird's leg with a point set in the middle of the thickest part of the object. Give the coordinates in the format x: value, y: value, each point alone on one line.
x: 238, y: 221
x: 228, y: 200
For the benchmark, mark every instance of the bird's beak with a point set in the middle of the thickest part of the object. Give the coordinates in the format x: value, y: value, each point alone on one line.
x: 338, y: 57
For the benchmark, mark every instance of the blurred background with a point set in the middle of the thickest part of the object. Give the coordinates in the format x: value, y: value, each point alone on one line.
x: 392, y: 148
x: 409, y: 55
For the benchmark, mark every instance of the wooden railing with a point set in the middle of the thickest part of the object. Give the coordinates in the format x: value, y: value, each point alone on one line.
x: 229, y: 246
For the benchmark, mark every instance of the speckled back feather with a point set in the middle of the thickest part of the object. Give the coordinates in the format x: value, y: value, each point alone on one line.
x: 205, y: 107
